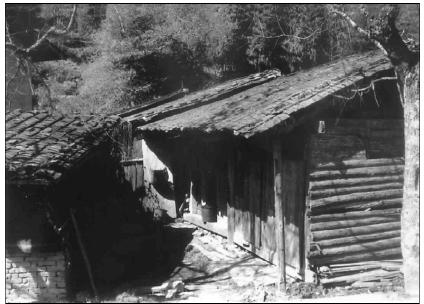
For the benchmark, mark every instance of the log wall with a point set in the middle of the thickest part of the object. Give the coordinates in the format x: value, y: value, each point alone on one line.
x: 354, y: 200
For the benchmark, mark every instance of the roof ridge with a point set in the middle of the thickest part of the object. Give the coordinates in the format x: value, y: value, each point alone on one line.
x: 202, y: 97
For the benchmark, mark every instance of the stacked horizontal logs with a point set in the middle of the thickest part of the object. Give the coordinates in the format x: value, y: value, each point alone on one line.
x: 363, y: 274
x: 354, y: 216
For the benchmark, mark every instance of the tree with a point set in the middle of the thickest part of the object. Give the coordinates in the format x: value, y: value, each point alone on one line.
x: 23, y: 46
x: 52, y: 30
x: 404, y: 56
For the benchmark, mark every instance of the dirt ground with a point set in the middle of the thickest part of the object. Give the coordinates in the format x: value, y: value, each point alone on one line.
x: 203, y: 268
x: 210, y: 270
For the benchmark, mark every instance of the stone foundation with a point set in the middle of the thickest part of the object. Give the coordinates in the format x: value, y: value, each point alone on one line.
x: 36, y: 276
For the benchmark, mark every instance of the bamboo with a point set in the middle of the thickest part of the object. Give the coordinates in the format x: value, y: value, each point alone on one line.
x: 84, y: 254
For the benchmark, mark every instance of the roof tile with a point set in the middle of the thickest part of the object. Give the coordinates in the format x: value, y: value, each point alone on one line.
x: 41, y: 146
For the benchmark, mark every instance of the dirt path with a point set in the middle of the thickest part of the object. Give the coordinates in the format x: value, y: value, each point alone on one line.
x: 207, y: 269
x: 210, y: 269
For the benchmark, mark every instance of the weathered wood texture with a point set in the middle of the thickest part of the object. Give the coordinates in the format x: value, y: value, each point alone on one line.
x: 277, y: 103
x: 133, y: 170
x: 251, y: 203
x: 252, y: 210
x: 157, y: 111
x: 363, y: 274
x: 293, y: 198
x: 355, y: 194
x: 280, y: 208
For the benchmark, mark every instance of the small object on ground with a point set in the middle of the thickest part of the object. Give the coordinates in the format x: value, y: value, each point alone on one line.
x: 171, y: 293
x: 127, y: 298
x: 161, y: 288
x: 243, y: 276
x: 189, y: 248
x: 178, y: 285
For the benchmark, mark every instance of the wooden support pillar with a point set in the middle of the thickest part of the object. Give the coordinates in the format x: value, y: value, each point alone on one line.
x: 84, y: 254
x: 230, y: 203
x: 279, y: 212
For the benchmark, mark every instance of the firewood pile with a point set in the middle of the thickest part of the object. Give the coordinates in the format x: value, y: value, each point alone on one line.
x: 362, y: 274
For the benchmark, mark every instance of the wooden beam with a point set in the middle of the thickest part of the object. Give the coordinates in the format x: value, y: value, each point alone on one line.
x: 230, y: 203
x: 131, y: 161
x: 84, y: 254
x: 279, y: 216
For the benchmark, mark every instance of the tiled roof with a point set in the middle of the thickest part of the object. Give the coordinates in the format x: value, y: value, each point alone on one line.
x: 268, y: 105
x: 41, y: 147
x: 150, y: 113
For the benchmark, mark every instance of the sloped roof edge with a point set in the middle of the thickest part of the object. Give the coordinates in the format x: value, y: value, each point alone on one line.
x: 274, y: 103
x: 41, y: 147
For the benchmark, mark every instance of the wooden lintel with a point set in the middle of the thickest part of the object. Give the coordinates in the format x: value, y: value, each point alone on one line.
x: 131, y: 161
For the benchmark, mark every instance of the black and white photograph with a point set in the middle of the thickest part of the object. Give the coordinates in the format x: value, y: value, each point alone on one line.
x: 211, y: 152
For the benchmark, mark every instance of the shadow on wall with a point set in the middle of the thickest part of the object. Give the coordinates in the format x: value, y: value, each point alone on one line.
x: 35, y: 276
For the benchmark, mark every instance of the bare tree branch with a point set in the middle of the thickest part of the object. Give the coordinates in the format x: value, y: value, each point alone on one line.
x: 357, y: 27
x: 384, y: 34
x: 283, y: 34
x: 361, y: 91
x: 9, y: 38
x: 120, y: 20
x: 52, y: 30
x: 291, y: 36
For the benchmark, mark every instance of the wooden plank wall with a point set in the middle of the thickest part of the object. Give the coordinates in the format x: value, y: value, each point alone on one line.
x: 293, y: 196
x: 252, y: 216
x: 207, y: 181
x: 251, y: 204
x: 355, y: 196
x: 132, y: 149
x: 133, y: 170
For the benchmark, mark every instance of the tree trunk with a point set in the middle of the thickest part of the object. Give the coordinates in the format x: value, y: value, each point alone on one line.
x: 384, y: 33
x: 410, y: 209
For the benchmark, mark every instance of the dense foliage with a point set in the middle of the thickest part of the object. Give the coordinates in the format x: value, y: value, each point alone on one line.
x: 128, y: 53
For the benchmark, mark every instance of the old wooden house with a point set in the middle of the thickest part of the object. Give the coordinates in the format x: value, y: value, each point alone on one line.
x: 304, y: 170
x: 58, y: 172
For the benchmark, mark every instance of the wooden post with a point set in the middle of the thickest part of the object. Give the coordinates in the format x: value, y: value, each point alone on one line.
x: 230, y: 203
x: 84, y: 254
x: 308, y: 275
x: 279, y: 213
